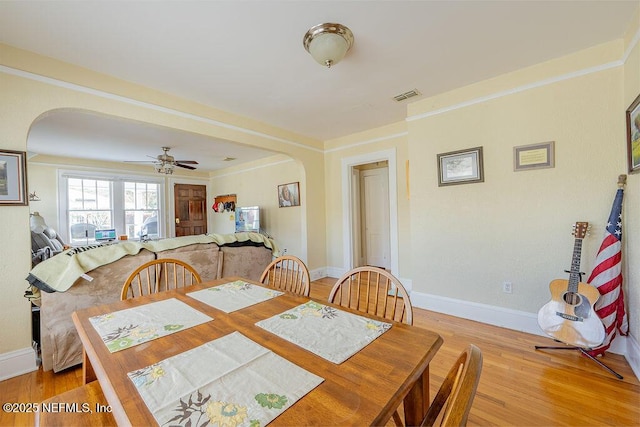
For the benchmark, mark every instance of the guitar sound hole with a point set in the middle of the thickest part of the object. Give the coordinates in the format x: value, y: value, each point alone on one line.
x: 572, y: 298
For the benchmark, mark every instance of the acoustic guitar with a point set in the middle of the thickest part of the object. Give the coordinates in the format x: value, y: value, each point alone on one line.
x: 569, y: 316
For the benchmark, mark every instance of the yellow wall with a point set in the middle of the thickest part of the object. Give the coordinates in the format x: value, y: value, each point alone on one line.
x: 515, y: 226
x: 31, y: 85
x: 255, y: 184
x: 632, y: 195
x: 392, y: 137
x: 459, y: 242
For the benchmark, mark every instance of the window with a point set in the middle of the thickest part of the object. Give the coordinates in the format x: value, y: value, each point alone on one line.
x: 141, y: 209
x: 90, y: 203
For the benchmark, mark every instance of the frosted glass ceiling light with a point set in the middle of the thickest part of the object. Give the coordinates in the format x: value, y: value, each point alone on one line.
x: 328, y: 43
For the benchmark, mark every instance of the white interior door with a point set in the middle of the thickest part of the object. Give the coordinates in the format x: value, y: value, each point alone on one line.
x: 374, y: 185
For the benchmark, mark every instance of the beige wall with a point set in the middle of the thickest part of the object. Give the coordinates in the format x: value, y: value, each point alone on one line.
x: 392, y: 137
x: 515, y: 226
x: 468, y: 239
x: 255, y: 184
x: 459, y: 242
x: 31, y: 85
x: 632, y: 194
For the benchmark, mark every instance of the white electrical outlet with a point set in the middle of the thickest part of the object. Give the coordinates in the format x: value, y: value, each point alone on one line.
x: 507, y: 287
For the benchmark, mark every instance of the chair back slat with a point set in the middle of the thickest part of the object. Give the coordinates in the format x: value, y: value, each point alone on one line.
x: 287, y: 273
x: 375, y: 291
x: 159, y: 275
x: 452, y: 403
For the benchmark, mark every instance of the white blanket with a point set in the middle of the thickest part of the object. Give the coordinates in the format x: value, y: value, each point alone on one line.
x: 58, y: 273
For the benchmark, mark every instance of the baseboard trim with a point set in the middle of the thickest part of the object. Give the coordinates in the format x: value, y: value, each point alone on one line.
x: 17, y: 362
x: 633, y: 354
x: 514, y: 319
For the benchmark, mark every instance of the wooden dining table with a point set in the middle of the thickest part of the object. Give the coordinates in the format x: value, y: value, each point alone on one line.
x: 365, y: 389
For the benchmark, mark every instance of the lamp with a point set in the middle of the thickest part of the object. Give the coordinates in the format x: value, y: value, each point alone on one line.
x: 328, y: 43
x: 33, y: 197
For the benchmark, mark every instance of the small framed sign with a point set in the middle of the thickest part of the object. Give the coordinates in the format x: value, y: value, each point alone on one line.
x: 534, y: 156
x: 460, y: 167
x: 13, y: 178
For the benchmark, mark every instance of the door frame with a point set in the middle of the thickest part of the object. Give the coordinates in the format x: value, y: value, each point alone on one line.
x: 348, y: 195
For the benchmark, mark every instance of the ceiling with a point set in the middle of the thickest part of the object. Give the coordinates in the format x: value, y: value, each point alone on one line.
x: 247, y: 58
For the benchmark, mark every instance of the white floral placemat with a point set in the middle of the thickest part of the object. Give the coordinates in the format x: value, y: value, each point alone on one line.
x: 231, y: 381
x: 132, y: 326
x: 234, y: 295
x: 326, y: 331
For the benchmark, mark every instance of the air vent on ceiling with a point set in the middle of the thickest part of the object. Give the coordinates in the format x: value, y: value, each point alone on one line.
x: 406, y: 95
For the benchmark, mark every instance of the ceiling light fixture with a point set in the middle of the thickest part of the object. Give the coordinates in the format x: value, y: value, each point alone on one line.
x: 328, y: 43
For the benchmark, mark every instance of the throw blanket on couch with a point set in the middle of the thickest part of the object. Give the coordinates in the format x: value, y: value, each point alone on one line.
x: 58, y: 274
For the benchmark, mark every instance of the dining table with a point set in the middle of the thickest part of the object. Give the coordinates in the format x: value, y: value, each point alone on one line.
x: 362, y: 382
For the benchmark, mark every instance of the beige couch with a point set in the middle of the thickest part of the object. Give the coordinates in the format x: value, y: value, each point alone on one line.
x: 244, y: 255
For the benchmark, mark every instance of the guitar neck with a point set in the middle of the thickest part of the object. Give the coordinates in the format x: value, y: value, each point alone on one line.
x: 574, y: 275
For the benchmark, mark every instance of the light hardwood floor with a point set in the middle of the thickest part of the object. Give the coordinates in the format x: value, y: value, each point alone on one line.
x: 519, y: 386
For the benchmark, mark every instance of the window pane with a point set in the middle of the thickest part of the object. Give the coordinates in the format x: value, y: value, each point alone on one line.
x: 152, y: 196
x: 129, y: 195
x: 103, y: 194
x: 89, y: 209
x: 75, y: 193
x: 141, y: 210
x: 89, y: 196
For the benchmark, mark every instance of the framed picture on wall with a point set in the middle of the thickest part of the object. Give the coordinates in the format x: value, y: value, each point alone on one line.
x: 633, y: 135
x: 13, y: 178
x: 460, y: 167
x: 289, y: 195
x: 534, y: 156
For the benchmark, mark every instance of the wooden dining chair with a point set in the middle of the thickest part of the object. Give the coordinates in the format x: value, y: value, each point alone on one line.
x: 455, y: 396
x: 287, y: 273
x: 375, y: 291
x: 159, y: 275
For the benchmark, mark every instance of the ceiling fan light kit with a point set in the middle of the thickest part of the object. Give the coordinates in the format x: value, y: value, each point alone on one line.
x: 328, y: 43
x: 164, y: 168
x: 165, y: 163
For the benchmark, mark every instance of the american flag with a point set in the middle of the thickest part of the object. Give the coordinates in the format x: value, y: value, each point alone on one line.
x: 607, y: 277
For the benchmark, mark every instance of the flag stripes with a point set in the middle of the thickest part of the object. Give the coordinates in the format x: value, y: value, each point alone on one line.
x: 607, y: 278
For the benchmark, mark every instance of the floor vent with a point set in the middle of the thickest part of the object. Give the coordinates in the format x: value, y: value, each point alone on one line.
x: 406, y: 95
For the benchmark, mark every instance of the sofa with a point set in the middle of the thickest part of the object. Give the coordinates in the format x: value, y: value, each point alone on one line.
x: 83, y: 277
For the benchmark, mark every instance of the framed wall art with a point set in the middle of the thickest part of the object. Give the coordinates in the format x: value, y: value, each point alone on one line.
x: 289, y: 195
x: 633, y: 135
x: 460, y: 167
x: 534, y: 156
x: 13, y: 178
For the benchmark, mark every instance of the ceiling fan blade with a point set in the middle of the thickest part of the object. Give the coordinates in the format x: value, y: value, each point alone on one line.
x: 188, y: 162
x: 185, y: 166
x: 140, y: 161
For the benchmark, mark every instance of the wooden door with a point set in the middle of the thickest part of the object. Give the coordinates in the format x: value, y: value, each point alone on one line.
x: 190, y: 209
x: 374, y: 187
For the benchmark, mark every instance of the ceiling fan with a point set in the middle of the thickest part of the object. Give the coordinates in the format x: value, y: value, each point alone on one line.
x: 164, y: 163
